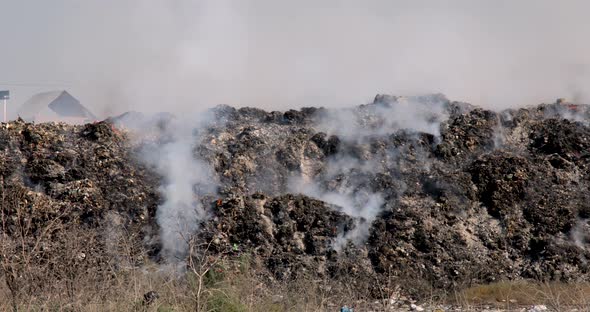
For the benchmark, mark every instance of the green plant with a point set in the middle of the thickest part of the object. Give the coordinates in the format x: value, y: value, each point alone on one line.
x: 220, y: 301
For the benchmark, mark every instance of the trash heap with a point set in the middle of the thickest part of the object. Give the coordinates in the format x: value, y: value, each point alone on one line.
x: 420, y: 192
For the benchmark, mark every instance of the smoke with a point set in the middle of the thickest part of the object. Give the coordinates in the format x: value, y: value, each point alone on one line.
x: 180, y: 55
x: 186, y: 178
x: 351, y: 177
x: 183, y: 56
x: 579, y: 233
x: 386, y: 115
x: 362, y: 204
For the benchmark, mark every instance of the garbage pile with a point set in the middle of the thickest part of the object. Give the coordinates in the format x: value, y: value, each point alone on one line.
x: 415, y: 192
x: 68, y: 196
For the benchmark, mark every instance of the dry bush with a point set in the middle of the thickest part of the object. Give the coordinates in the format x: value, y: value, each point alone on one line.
x: 48, y: 258
x: 28, y: 263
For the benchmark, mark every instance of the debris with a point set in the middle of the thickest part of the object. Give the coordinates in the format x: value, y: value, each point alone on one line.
x: 538, y: 308
x: 415, y: 307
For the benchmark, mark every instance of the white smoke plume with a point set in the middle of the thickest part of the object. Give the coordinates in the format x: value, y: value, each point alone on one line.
x: 385, y: 116
x: 362, y: 205
x: 580, y: 233
x: 352, y: 194
x: 186, y: 177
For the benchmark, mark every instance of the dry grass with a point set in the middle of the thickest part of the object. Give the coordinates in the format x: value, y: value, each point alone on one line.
x: 231, y: 290
x: 555, y: 295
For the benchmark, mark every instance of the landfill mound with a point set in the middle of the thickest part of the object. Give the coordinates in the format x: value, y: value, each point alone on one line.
x: 420, y: 193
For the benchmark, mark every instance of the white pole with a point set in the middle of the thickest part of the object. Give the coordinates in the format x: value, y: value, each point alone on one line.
x: 4, y: 110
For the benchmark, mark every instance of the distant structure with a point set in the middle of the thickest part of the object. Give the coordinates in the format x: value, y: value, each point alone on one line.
x: 4, y: 96
x: 57, y: 106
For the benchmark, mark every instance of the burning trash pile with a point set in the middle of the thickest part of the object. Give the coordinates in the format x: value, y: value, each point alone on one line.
x: 418, y: 192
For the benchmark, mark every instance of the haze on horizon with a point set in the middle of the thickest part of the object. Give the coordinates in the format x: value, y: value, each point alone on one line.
x: 183, y: 55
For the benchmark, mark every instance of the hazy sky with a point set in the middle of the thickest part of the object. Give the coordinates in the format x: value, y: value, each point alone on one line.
x: 179, y: 55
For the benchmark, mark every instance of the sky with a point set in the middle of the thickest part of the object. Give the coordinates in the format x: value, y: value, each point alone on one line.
x: 182, y: 56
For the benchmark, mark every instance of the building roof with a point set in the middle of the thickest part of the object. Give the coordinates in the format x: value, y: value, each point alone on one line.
x: 61, y: 103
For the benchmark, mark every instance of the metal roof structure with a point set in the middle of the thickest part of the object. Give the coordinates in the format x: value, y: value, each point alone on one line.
x: 58, y: 103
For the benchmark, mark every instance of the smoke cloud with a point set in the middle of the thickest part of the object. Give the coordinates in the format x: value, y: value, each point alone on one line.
x: 386, y: 115
x: 346, y: 180
x: 185, y: 177
x: 184, y: 56
x: 179, y: 55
